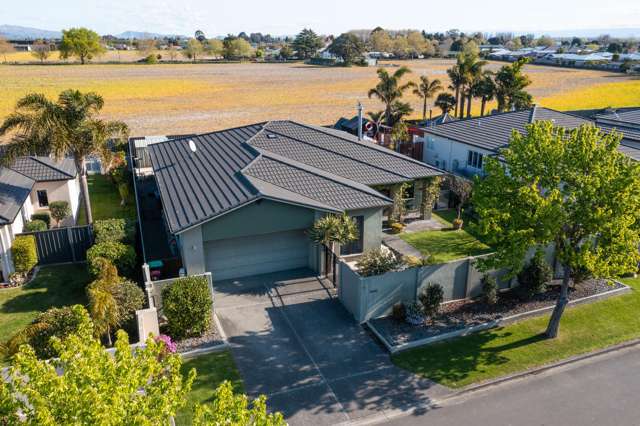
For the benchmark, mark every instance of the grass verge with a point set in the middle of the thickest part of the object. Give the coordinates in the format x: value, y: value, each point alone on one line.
x: 506, y: 350
x: 212, y: 370
x: 105, y: 201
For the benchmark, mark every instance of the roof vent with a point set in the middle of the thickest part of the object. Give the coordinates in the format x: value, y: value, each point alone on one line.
x: 272, y: 136
x: 192, y: 145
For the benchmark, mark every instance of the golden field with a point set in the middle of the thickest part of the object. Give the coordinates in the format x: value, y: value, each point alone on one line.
x: 192, y: 98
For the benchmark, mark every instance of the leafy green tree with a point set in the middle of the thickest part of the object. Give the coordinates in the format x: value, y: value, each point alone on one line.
x: 82, y: 43
x: 214, y: 47
x: 86, y: 385
x: 41, y: 50
x: 348, y: 47
x: 307, y: 43
x: 103, y: 306
x: 446, y: 102
x: 237, y: 48
x: 389, y: 90
x: 426, y: 90
x: 286, y: 52
x: 379, y: 41
x: 572, y: 188
x: 193, y: 49
x: 510, y: 84
x: 228, y: 408
x: 59, y: 210
x: 66, y: 127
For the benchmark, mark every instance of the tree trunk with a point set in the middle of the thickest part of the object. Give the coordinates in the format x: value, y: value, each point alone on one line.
x: 455, y: 112
x: 109, y: 336
x: 561, y: 304
x: 387, y: 115
x: 424, y: 109
x: 469, y: 106
x: 483, y: 104
x: 462, y: 99
x: 84, y: 187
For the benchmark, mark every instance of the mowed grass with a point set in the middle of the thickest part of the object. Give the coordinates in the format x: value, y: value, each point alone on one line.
x: 54, y: 286
x: 105, y: 201
x: 212, y: 369
x: 194, y: 98
x: 520, y: 346
x: 446, y: 244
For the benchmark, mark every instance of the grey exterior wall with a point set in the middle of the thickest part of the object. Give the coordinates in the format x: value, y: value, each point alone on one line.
x: 372, y: 237
x: 192, y: 251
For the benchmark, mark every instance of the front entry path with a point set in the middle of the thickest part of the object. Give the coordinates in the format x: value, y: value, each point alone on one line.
x: 294, y: 342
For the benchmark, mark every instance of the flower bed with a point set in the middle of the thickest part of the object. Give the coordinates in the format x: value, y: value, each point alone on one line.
x: 461, y: 317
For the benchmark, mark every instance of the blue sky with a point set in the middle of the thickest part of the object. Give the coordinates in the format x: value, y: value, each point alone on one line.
x: 219, y: 17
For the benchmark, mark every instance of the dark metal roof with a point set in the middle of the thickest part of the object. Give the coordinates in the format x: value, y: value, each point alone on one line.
x: 623, y: 118
x: 44, y: 169
x: 493, y: 132
x: 314, y: 166
x: 14, y: 191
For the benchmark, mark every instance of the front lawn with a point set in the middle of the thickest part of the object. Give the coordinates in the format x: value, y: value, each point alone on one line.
x: 55, y: 286
x: 212, y: 370
x: 506, y: 350
x: 105, y: 201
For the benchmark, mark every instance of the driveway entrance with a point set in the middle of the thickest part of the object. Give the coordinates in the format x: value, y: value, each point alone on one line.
x: 294, y: 342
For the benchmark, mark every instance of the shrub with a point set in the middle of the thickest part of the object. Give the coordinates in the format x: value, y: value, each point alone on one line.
x: 187, y: 305
x: 129, y: 298
x: 24, y: 253
x: 457, y: 223
x: 377, y: 262
x: 119, y: 230
x: 415, y: 262
x: 59, y: 210
x: 413, y: 314
x: 397, y: 227
x: 489, y: 289
x: 43, y: 216
x: 399, y: 311
x: 35, y: 225
x: 430, y: 298
x: 59, y: 322
x: 121, y: 255
x: 534, y: 277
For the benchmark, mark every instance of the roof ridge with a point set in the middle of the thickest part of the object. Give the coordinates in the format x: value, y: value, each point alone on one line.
x: 53, y: 166
x: 182, y: 138
x: 532, y: 115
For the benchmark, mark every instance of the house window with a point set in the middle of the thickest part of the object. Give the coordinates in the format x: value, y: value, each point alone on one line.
x: 474, y: 160
x: 356, y: 246
x: 43, y: 198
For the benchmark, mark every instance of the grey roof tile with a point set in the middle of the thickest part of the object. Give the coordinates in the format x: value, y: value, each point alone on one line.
x: 14, y: 191
x: 44, y: 169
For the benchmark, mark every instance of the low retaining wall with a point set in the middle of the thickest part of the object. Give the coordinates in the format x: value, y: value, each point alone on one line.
x: 491, y: 324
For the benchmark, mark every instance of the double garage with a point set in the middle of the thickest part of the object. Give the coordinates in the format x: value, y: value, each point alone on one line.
x: 265, y: 236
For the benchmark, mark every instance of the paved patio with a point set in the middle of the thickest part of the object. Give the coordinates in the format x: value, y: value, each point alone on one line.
x: 293, y: 341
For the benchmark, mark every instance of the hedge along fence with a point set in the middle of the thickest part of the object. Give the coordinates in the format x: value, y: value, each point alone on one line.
x: 24, y: 253
x: 154, y: 290
x: 372, y: 297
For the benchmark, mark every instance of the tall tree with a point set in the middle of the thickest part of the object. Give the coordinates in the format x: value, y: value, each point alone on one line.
x: 446, y: 102
x: 82, y: 43
x: 426, y: 90
x: 572, y: 188
x: 41, y: 50
x: 456, y: 75
x: 5, y: 47
x: 389, y: 90
x: 510, y: 84
x: 307, y: 43
x: 348, y: 47
x: 193, y: 49
x: 68, y: 126
x: 472, y: 67
x: 103, y: 306
x: 485, y: 89
x: 379, y: 41
x: 237, y: 48
x: 214, y: 47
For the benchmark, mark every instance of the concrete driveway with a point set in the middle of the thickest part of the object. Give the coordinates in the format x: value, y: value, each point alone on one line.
x: 294, y: 342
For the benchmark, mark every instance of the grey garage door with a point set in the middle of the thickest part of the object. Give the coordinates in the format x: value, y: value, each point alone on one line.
x: 260, y: 254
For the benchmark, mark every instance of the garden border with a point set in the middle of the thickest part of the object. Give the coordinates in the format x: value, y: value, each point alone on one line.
x: 394, y: 349
x: 193, y: 353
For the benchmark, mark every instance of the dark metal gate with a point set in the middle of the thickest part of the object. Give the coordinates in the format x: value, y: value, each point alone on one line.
x: 330, y: 265
x: 63, y: 245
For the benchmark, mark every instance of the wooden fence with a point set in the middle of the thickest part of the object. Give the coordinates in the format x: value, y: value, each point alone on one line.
x: 63, y: 245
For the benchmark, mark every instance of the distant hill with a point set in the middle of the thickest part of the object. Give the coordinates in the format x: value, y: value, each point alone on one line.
x: 144, y: 35
x: 26, y: 33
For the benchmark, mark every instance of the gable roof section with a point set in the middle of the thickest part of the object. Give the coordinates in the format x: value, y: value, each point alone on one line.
x: 300, y: 164
x: 493, y: 132
x: 45, y: 169
x: 14, y: 191
x: 624, y: 118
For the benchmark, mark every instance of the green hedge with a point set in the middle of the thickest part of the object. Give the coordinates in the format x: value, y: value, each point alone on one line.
x: 187, y: 305
x: 119, y: 230
x: 44, y: 216
x: 121, y: 255
x: 24, y: 253
x: 35, y: 225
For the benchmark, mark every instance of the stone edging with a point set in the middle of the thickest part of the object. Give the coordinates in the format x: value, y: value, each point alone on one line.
x: 393, y: 349
x: 210, y: 349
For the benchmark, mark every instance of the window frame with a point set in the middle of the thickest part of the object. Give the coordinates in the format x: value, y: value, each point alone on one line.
x: 42, y: 195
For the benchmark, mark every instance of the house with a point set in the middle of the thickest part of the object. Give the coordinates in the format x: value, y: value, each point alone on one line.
x: 27, y: 187
x: 461, y: 146
x: 240, y: 201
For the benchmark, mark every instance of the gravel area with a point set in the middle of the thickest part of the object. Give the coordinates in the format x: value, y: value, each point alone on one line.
x: 461, y: 314
x: 211, y: 338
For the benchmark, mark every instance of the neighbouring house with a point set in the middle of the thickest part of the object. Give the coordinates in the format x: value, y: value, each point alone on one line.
x: 240, y: 201
x: 28, y: 187
x: 461, y: 146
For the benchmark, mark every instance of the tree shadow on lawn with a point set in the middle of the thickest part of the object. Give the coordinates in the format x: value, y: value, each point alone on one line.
x: 453, y: 361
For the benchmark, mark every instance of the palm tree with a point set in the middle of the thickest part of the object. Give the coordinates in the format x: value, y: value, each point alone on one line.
x: 446, y: 102
x: 389, y: 90
x: 485, y: 89
x: 426, y: 90
x: 510, y: 84
x: 457, y: 81
x: 473, y: 73
x: 66, y: 127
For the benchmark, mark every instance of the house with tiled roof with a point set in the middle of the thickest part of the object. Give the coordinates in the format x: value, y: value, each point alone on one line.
x: 461, y: 146
x: 240, y: 201
x: 27, y: 187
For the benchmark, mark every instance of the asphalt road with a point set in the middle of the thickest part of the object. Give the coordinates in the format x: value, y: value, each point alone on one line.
x: 601, y: 391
